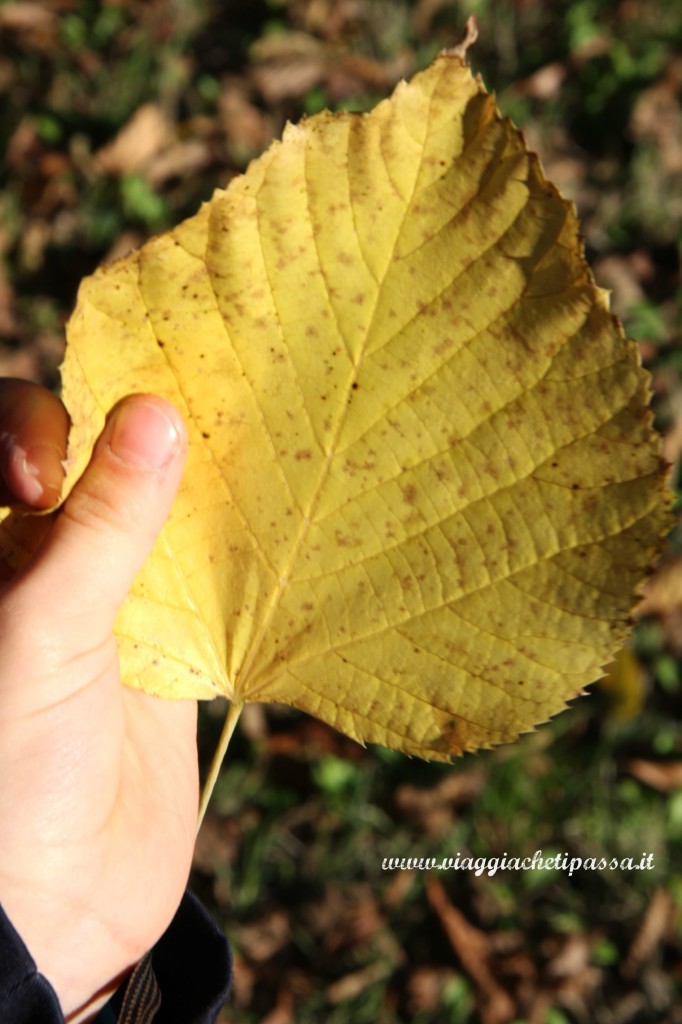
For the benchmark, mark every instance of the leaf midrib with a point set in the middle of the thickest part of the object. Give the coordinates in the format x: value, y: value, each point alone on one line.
x: 331, y: 453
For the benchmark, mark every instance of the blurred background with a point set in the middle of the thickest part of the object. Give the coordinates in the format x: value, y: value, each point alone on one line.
x: 117, y: 119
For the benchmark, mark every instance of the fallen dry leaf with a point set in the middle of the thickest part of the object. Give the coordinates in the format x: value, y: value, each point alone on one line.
x: 651, y: 932
x: 472, y: 948
x: 665, y: 776
x: 145, y: 135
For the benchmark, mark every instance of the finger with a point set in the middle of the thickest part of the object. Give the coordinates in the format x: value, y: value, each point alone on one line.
x: 34, y: 427
x: 108, y: 524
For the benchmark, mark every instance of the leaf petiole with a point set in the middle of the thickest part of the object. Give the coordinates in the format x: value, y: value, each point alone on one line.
x: 231, y: 719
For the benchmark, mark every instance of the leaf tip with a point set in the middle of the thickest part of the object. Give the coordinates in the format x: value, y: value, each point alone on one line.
x: 470, y: 37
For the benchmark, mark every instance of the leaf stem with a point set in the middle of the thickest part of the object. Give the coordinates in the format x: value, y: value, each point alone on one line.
x: 231, y: 719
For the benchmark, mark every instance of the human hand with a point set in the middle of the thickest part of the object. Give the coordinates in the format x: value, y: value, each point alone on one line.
x: 98, y: 783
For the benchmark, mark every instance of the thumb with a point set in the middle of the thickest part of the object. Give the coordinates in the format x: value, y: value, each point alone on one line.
x: 108, y: 524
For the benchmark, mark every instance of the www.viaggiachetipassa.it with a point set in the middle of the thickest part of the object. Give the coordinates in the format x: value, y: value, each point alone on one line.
x: 538, y: 862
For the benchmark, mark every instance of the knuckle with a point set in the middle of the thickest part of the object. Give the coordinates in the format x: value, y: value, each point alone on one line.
x: 100, y: 511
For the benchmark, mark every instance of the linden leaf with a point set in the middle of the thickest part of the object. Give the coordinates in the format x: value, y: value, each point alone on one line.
x: 422, y: 483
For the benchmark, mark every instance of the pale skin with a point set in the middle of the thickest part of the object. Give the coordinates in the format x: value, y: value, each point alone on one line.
x: 98, y: 783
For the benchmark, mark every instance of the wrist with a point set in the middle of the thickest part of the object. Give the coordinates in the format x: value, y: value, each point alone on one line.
x: 82, y: 984
x: 94, y: 1005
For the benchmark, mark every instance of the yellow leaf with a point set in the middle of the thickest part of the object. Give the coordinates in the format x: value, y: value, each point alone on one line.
x: 422, y: 484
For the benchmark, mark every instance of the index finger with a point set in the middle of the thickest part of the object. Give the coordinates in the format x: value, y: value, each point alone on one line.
x: 34, y: 428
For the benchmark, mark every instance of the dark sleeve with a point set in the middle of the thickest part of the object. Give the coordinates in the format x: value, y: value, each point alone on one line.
x: 26, y: 997
x: 187, y: 976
